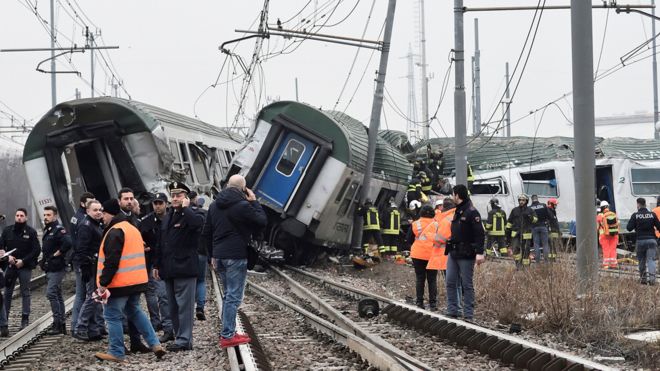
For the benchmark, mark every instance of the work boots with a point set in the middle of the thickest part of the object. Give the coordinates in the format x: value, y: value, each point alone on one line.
x: 25, y: 321
x: 4, y: 331
x: 55, y: 329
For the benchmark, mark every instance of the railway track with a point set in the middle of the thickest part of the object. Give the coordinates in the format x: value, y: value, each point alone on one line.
x: 620, y: 272
x: 504, y: 347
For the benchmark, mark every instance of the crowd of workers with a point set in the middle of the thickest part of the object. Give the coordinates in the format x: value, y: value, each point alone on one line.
x: 119, y: 254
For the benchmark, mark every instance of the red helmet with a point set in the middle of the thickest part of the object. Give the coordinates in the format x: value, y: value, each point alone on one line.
x: 553, y: 202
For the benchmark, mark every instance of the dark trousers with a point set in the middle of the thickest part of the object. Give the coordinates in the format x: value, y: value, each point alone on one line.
x: 422, y: 276
x: 521, y: 248
x: 367, y: 235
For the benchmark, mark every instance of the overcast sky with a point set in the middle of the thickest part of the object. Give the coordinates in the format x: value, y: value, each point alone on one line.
x: 169, y: 56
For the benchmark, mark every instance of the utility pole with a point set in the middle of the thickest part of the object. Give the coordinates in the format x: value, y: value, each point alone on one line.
x: 425, y: 80
x: 508, y: 100
x: 53, y: 79
x: 656, y: 128
x: 374, y: 123
x: 411, y: 126
x: 584, y: 133
x: 459, y: 96
x: 477, y: 80
x: 77, y: 93
x: 297, y: 100
x: 90, y: 44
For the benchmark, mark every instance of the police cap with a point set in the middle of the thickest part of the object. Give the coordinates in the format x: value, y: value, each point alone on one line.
x: 161, y: 197
x: 177, y: 187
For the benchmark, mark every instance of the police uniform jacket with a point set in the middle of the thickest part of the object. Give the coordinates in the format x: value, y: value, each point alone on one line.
x: 643, y: 222
x: 90, y: 234
x: 467, y: 232
x: 521, y: 220
x: 201, y: 247
x: 176, y: 256
x: 75, y: 222
x: 542, y: 214
x: 150, y: 229
x: 55, y: 238
x: 24, y: 239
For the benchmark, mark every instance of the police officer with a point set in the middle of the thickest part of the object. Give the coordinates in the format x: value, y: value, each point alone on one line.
x: 645, y: 224
x: 464, y: 249
x: 371, y: 225
x: 540, y: 229
x: 391, y: 229
x: 23, y: 239
x: 553, y: 228
x: 496, y: 227
x: 202, y: 261
x: 77, y: 218
x: 150, y: 228
x: 56, y: 243
x: 176, y: 263
x: 519, y: 227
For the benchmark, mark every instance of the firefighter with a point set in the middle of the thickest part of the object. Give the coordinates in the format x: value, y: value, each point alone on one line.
x: 608, y: 235
x: 540, y: 229
x: 391, y: 229
x: 414, y: 192
x: 496, y: 227
x: 470, y: 176
x: 519, y: 226
x: 427, y: 186
x: 436, y: 167
x: 553, y: 227
x: 371, y: 226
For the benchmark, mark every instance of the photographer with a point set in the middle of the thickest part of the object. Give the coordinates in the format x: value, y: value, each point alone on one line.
x: 464, y: 249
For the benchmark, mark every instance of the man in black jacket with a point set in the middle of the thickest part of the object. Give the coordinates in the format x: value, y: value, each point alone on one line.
x: 176, y: 263
x: 465, y: 247
x: 56, y: 243
x: 645, y: 222
x: 231, y: 221
x: 202, y: 262
x: 23, y: 239
x: 540, y: 229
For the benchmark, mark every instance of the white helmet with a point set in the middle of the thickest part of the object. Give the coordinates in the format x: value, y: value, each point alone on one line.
x: 414, y: 204
x: 604, y: 203
x: 439, y: 202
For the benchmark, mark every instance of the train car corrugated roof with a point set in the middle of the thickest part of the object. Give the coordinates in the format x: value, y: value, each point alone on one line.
x: 398, y: 139
x: 499, y: 153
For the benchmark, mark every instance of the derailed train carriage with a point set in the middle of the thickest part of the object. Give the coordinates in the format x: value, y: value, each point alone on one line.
x: 306, y: 167
x: 103, y: 144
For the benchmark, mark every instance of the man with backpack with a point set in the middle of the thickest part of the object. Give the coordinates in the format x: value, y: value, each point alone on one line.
x: 608, y: 232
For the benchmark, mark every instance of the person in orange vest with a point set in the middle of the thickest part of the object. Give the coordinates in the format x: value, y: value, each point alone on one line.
x: 656, y: 211
x: 425, y: 231
x: 121, y: 277
x: 608, y: 235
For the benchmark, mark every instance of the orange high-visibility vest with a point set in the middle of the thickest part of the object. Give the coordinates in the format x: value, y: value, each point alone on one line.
x: 438, y: 259
x: 426, y: 238
x: 607, y: 229
x: 132, y: 265
x: 656, y: 211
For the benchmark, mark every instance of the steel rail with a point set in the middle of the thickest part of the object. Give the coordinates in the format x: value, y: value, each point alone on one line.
x: 240, y: 357
x: 347, y: 324
x: 26, y: 337
x: 617, y: 272
x: 510, y: 349
x: 368, y: 351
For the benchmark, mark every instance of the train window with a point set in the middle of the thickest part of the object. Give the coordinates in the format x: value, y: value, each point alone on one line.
x: 199, y: 163
x: 496, y: 186
x: 383, y: 198
x: 229, y: 156
x: 184, y: 152
x: 175, y: 151
x: 645, y: 182
x: 341, y: 191
x: 542, y: 183
x: 348, y: 197
x: 290, y: 157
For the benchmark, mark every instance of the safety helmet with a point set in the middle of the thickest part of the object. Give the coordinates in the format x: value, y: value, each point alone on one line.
x: 553, y: 202
x: 368, y: 201
x: 414, y: 204
x: 427, y: 211
x: 421, y: 173
x: 438, y: 202
x: 604, y: 203
x: 523, y: 196
x: 494, y: 201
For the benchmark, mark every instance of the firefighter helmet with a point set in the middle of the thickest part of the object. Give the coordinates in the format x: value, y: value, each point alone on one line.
x: 523, y: 196
x: 553, y: 202
x: 494, y: 202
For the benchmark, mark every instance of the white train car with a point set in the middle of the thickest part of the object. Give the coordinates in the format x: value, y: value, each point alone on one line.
x: 103, y: 144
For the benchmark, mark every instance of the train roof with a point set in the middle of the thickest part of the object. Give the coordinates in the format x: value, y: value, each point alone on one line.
x: 131, y: 116
x: 349, y: 138
x: 499, y: 153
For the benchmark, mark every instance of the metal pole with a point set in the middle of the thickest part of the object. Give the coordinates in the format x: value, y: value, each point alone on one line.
x: 91, y: 53
x: 425, y: 80
x: 477, y: 79
x: 656, y: 128
x: 584, y: 133
x: 459, y: 96
x: 508, y: 101
x: 53, y: 78
x: 297, y: 100
x: 374, y: 123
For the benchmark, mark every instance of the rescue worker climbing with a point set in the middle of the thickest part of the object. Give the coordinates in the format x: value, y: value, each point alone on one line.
x: 519, y: 226
x: 427, y: 186
x: 371, y: 225
x: 608, y: 235
x: 414, y: 192
x: 424, y: 236
x: 496, y: 227
x: 553, y: 228
x: 391, y: 228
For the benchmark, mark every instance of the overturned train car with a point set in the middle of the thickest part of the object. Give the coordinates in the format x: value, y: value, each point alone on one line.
x: 306, y: 167
x: 103, y: 144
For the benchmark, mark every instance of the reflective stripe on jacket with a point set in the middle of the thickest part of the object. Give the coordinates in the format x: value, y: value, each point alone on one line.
x: 426, y: 232
x: 394, y: 225
x: 609, y: 223
x: 132, y: 265
x: 370, y: 219
x: 496, y: 223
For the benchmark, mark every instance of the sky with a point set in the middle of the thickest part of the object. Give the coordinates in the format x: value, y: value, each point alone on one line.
x: 168, y: 56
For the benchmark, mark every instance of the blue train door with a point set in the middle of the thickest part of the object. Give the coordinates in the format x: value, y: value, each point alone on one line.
x: 284, y: 170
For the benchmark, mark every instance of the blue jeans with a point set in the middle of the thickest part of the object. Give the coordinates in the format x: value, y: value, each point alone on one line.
x: 646, y: 252
x: 24, y: 275
x: 463, y: 270
x: 157, y: 304
x: 54, y: 295
x: 81, y: 289
x: 90, y: 318
x: 114, y: 316
x: 200, y: 290
x: 540, y: 238
x: 233, y: 273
